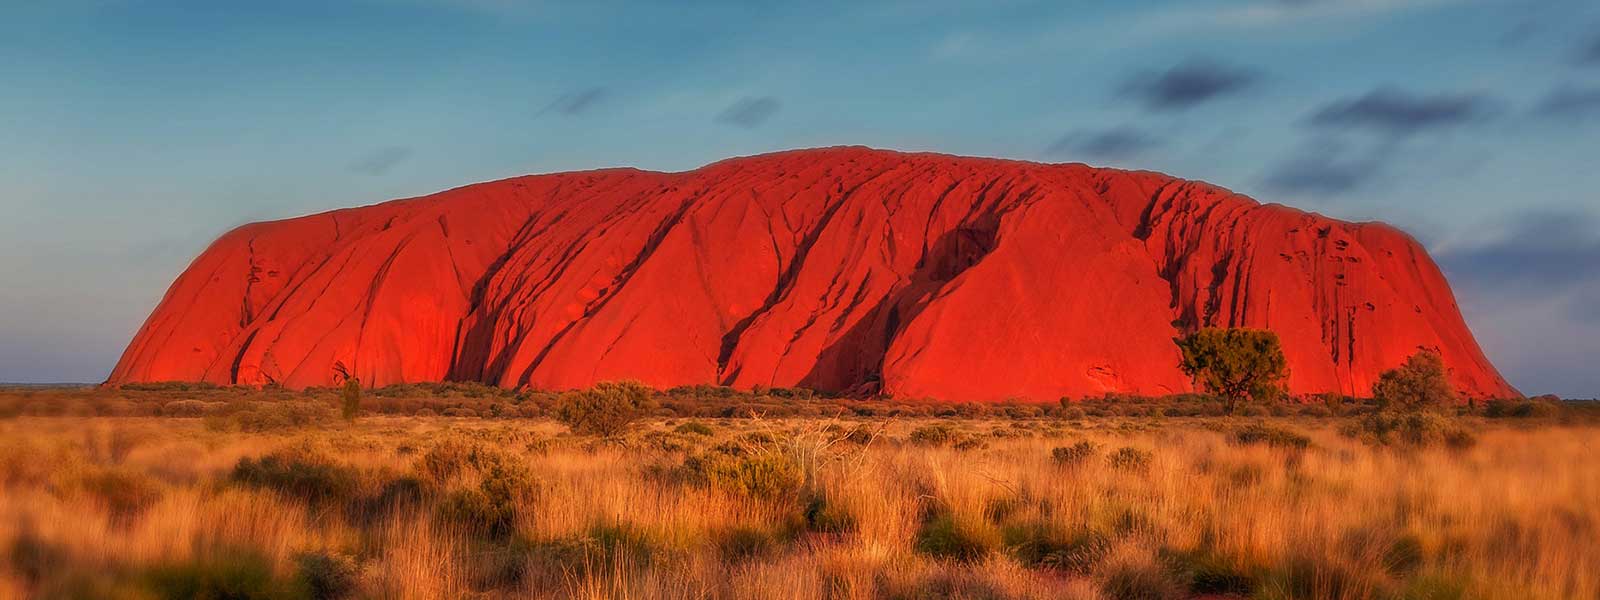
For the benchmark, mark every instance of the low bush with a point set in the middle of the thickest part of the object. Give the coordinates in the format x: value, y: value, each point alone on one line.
x: 227, y: 574
x: 1076, y: 454
x: 937, y: 434
x: 822, y: 516
x: 1418, y: 429
x: 259, y: 416
x: 1130, y: 459
x: 695, y: 428
x: 741, y: 543
x: 492, y: 506
x: 605, y: 410
x: 947, y: 535
x: 1139, y: 577
x: 450, y: 457
x: 305, y: 472
x: 970, y: 444
x: 123, y: 492
x: 1521, y: 409
x: 1209, y: 573
x: 185, y: 408
x: 760, y: 473
x: 1041, y: 544
x: 489, y: 510
x: 1271, y: 436
x: 327, y: 576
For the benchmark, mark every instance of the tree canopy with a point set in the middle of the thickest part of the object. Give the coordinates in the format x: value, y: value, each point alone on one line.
x: 1235, y: 364
x: 1421, y: 382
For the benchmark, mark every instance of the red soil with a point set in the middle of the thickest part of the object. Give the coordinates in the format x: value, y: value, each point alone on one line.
x: 841, y: 269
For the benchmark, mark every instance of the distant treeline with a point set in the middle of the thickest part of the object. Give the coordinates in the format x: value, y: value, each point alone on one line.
x: 476, y: 400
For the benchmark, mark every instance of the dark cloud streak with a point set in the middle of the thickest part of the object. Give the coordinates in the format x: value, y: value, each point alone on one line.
x: 750, y: 112
x: 1590, y: 53
x: 1570, y: 102
x: 1398, y: 113
x: 572, y: 104
x: 1549, y: 251
x: 381, y: 161
x: 1187, y: 85
x: 1326, y: 168
x: 1109, y: 144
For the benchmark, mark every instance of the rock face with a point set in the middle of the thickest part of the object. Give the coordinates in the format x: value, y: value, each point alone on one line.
x: 841, y: 269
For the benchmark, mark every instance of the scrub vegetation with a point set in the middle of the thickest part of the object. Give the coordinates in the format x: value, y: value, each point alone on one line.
x: 181, y: 491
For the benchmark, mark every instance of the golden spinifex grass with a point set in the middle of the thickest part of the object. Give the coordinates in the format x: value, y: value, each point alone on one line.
x: 407, y: 507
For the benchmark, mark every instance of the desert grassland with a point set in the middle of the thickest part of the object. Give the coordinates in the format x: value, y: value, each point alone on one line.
x: 436, y: 507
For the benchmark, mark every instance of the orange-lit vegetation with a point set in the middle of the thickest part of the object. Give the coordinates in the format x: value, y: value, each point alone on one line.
x: 250, y: 494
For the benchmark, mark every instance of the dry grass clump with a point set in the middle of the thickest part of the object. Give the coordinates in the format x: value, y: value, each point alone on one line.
x: 1099, y: 507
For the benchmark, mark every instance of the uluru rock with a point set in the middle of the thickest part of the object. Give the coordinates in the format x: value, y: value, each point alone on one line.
x: 844, y: 269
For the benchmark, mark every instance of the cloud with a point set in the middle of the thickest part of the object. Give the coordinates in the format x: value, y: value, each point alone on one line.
x: 380, y: 161
x: 1186, y: 85
x: 1570, y: 101
x: 1590, y: 53
x: 1545, y: 250
x: 1400, y: 113
x: 1107, y: 144
x: 1325, y: 168
x: 1282, y: 13
x: 750, y: 112
x: 572, y: 104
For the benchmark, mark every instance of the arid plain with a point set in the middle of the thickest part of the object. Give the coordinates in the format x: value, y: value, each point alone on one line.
x: 194, y: 491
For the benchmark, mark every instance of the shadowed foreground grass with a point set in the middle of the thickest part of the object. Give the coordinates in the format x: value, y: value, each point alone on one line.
x: 436, y: 507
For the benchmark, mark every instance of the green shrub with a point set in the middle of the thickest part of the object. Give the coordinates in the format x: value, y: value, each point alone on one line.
x: 1075, y: 454
x: 124, y: 493
x: 618, y: 541
x: 327, y: 576
x: 946, y: 536
x: 492, y: 508
x: 1130, y: 459
x: 185, y: 408
x: 1040, y: 544
x: 256, y: 416
x: 666, y: 441
x: 305, y: 472
x: 1139, y: 580
x: 1209, y: 573
x: 33, y: 558
x: 695, y: 428
x: 741, y: 543
x: 937, y: 434
x: 1521, y: 409
x: 450, y: 457
x: 970, y: 444
x: 1458, y: 438
x: 759, y: 474
x: 1308, y: 577
x: 605, y: 410
x: 1421, y: 382
x: 1409, y: 430
x: 1271, y: 436
x: 1404, y: 556
x: 827, y: 517
x: 224, y: 575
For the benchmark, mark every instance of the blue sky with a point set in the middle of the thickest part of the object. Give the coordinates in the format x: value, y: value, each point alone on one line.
x: 133, y: 133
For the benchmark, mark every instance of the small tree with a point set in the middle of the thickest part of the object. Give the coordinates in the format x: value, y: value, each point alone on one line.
x: 1419, y: 383
x: 1236, y: 364
x: 350, y: 392
x: 606, y: 409
x: 350, y: 399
